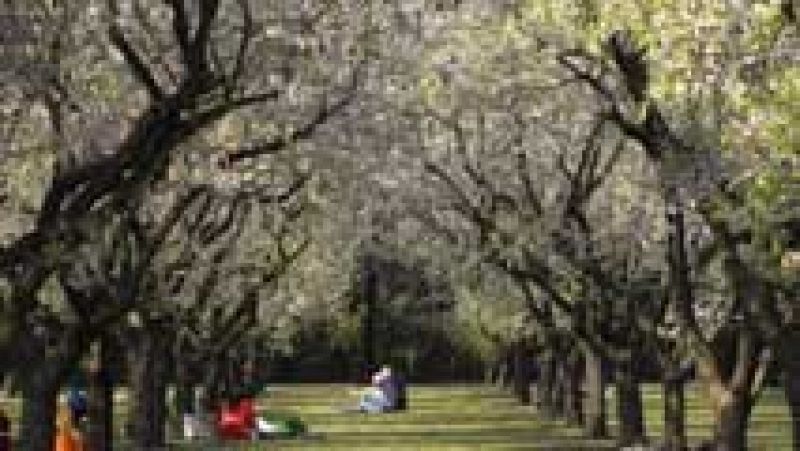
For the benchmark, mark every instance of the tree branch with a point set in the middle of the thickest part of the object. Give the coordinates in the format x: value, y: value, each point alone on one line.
x: 137, y: 65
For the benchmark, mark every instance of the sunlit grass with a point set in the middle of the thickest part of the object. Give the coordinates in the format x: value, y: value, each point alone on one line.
x: 440, y: 418
x: 769, y: 427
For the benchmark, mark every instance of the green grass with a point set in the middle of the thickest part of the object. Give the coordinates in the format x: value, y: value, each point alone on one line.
x: 769, y: 427
x: 447, y: 417
x: 479, y: 417
x: 455, y: 417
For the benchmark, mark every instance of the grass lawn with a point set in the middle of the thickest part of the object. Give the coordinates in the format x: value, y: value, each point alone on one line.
x: 446, y: 417
x: 454, y: 417
x: 769, y: 427
x: 479, y: 417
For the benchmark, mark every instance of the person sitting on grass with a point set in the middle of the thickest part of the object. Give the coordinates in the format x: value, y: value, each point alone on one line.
x: 382, y: 396
x: 238, y: 421
x: 237, y: 417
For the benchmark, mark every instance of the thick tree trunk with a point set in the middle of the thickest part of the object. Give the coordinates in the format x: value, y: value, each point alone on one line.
x: 629, y: 405
x: 40, y: 385
x: 595, y: 403
x: 100, y: 430
x: 730, y: 429
x: 39, y: 395
x: 522, y: 382
x: 573, y: 396
x: 148, y: 387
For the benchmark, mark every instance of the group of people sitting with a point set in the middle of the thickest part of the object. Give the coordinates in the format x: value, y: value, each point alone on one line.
x: 234, y: 417
x: 386, y: 394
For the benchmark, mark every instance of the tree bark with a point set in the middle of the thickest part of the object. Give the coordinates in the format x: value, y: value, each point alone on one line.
x: 184, y: 390
x: 508, y: 368
x: 522, y: 382
x: 559, y: 386
x: 730, y: 429
x: 500, y: 371
x: 789, y: 358
x: 674, y: 411
x: 573, y: 395
x: 487, y: 374
x: 39, y: 395
x: 545, y: 387
x: 629, y: 405
x: 595, y: 403
x: 100, y: 394
x: 213, y: 383
x: 503, y: 368
x: 48, y: 367
x: 148, y: 387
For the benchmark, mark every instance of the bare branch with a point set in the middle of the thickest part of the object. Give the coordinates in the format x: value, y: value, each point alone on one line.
x: 305, y: 132
x: 180, y: 26
x: 140, y: 69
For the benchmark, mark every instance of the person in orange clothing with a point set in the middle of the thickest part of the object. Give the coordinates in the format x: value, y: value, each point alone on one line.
x: 68, y: 438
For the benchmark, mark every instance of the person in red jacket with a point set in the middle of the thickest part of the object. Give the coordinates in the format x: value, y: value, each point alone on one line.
x: 237, y: 416
x: 236, y: 419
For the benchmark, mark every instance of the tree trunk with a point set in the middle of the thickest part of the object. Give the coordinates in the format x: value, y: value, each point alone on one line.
x: 522, y: 383
x: 674, y: 407
x: 789, y: 358
x: 40, y: 385
x: 629, y: 405
x: 500, y: 371
x: 730, y: 429
x: 508, y: 368
x: 212, y: 385
x: 184, y: 401
x: 100, y: 430
x: 148, y: 387
x: 573, y: 396
x: 487, y: 374
x: 184, y: 391
x: 545, y: 386
x: 369, y: 292
x: 559, y: 387
x: 39, y: 395
x: 595, y: 404
x: 503, y: 368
